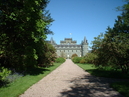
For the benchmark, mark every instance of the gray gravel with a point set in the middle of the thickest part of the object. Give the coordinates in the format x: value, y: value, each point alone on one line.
x: 69, y: 80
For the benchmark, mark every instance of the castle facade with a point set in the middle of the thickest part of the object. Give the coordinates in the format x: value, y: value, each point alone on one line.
x: 68, y: 47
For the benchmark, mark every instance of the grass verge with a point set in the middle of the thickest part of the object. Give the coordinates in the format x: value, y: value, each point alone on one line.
x: 121, y: 87
x: 107, y: 72
x: 22, y: 84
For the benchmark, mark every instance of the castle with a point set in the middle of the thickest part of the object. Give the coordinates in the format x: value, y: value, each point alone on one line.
x: 68, y: 47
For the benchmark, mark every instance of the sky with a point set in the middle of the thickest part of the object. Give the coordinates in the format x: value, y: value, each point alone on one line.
x: 77, y: 19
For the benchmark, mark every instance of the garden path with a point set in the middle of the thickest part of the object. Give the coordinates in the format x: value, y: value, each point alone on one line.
x: 69, y: 80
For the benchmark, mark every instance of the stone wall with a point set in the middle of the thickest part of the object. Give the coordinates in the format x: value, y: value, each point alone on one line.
x: 68, y: 52
x: 68, y: 47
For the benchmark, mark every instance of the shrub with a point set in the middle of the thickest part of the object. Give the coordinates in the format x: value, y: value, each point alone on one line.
x: 90, y: 57
x: 83, y: 61
x: 4, y: 72
x: 60, y: 60
x: 47, y: 59
x: 74, y: 55
x: 77, y: 59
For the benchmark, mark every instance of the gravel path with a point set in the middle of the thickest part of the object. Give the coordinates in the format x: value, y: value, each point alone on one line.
x: 69, y: 80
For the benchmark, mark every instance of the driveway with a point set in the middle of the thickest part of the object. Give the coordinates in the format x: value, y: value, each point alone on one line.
x: 69, y: 80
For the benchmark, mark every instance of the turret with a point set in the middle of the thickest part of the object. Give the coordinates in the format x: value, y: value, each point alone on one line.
x: 52, y: 41
x: 85, y: 41
x: 84, y: 47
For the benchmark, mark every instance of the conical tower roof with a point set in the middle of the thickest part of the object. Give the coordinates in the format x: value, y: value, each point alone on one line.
x: 85, y: 41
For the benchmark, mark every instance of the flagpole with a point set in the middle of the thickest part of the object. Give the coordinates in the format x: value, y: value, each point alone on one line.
x: 70, y: 35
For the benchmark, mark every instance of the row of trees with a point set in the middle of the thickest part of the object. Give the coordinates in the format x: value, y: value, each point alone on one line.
x: 112, y: 48
x: 24, y: 25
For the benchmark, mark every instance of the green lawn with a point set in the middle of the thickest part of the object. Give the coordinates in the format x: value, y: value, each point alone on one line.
x: 22, y: 84
x: 86, y: 66
x: 122, y: 87
x: 107, y: 72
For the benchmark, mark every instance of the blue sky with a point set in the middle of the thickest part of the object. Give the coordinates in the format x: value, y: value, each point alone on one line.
x: 82, y: 18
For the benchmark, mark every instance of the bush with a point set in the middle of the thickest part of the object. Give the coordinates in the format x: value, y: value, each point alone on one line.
x: 74, y: 55
x: 48, y: 57
x: 77, y: 59
x: 82, y: 61
x: 90, y: 57
x: 4, y: 72
x: 60, y: 60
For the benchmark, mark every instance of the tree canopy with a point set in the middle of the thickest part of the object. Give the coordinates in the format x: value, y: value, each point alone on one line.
x: 112, y: 48
x: 24, y: 27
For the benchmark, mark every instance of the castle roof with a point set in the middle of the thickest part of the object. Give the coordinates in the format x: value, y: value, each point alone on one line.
x: 68, y: 45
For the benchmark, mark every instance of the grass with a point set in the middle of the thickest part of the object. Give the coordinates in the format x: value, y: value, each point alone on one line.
x: 107, y: 72
x: 86, y: 66
x: 18, y: 87
x: 121, y: 87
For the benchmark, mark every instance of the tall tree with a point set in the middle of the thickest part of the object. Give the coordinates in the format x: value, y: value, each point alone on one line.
x: 113, y: 49
x: 24, y: 25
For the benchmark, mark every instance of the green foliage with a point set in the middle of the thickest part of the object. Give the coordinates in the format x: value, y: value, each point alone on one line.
x: 48, y: 57
x: 77, y: 59
x: 60, y: 60
x: 112, y: 48
x: 89, y: 58
x: 4, y: 72
x: 82, y: 61
x: 24, y: 26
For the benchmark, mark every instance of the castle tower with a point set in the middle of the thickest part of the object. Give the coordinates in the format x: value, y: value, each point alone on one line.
x: 68, y: 47
x: 84, y: 47
x: 52, y: 42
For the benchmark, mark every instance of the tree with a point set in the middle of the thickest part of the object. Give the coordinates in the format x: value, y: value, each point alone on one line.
x: 24, y: 25
x: 113, y: 49
x: 49, y: 56
x: 89, y: 58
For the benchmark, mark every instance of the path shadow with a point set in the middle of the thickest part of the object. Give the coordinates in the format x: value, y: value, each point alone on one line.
x: 4, y: 84
x: 90, y: 86
x: 108, y: 73
x: 36, y: 71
